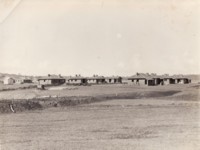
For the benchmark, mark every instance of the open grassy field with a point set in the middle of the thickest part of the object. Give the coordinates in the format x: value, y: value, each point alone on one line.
x: 120, y: 117
x: 94, y: 90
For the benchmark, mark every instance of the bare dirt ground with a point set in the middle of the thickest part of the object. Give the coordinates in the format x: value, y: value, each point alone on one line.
x: 167, y: 123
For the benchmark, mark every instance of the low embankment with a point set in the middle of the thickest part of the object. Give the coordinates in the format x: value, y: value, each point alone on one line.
x: 9, y: 106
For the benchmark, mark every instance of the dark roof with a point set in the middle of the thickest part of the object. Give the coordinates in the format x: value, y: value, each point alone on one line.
x: 164, y: 77
x: 22, y: 78
x: 113, y: 77
x: 149, y: 76
x: 7, y: 77
x: 76, y: 78
x: 96, y: 77
x: 140, y: 76
x: 52, y: 77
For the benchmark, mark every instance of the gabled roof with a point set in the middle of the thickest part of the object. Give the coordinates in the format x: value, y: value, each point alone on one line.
x: 179, y: 77
x: 7, y: 77
x: 96, y: 77
x: 140, y: 76
x: 149, y: 76
x: 113, y: 77
x: 51, y: 77
x: 23, y: 78
x: 165, y: 77
x: 76, y: 78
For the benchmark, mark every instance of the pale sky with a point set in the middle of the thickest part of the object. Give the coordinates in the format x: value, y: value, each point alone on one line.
x: 105, y: 37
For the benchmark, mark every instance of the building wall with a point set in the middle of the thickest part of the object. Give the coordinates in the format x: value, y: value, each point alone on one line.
x: 169, y: 81
x: 9, y: 81
x: 57, y: 81
x: 74, y: 81
x: 96, y: 81
x: 19, y: 81
x: 113, y: 80
x: 92, y: 81
x: 27, y: 81
x: 166, y: 81
x: 45, y: 82
x: 51, y: 81
x: 137, y: 81
x: 131, y: 81
x: 157, y: 81
x: 109, y: 80
x: 181, y: 81
x: 142, y: 81
x: 150, y: 82
x: 100, y: 81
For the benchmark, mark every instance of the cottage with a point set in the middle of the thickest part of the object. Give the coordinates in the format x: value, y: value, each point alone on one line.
x: 113, y: 79
x: 8, y: 80
x: 22, y: 80
x: 144, y: 79
x: 19, y: 81
x: 27, y: 80
x: 156, y: 79
x: 165, y: 80
x: 77, y: 80
x: 51, y: 80
x: 138, y: 79
x: 150, y: 81
x: 96, y: 80
x: 180, y: 79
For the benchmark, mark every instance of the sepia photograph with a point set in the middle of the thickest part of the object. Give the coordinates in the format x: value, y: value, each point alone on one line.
x: 99, y: 75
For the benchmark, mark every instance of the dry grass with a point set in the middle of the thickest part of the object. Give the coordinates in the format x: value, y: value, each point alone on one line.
x: 102, y: 117
x: 126, y: 124
x: 4, y: 87
x: 33, y: 99
x: 86, y: 91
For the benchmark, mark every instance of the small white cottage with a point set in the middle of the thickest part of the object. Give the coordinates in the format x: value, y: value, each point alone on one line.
x: 8, y: 80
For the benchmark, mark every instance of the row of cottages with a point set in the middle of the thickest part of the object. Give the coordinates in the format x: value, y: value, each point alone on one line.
x: 180, y: 79
x: 51, y: 80
x: 150, y: 80
x: 94, y: 80
x: 23, y: 80
x: 18, y: 80
x: 77, y: 80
